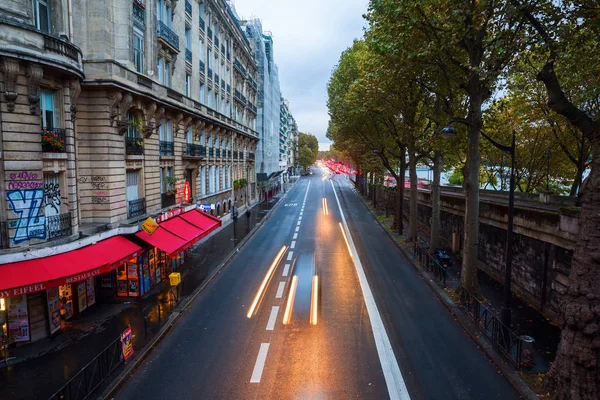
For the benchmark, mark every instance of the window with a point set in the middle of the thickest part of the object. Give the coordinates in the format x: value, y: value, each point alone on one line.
x: 51, y: 194
x: 201, y: 49
x: 201, y: 93
x: 161, y: 131
x: 132, y: 128
x: 208, y: 58
x: 164, y: 172
x: 209, y: 98
x: 203, y: 180
x: 164, y: 13
x: 49, y: 109
x: 217, y: 179
x: 41, y: 15
x: 188, y: 84
x: 188, y: 38
x: 189, y: 135
x: 169, y: 131
x: 138, y: 50
x: 132, y: 185
x: 160, y: 70
x: 167, y: 74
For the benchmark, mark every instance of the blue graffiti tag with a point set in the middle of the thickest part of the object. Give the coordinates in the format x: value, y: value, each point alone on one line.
x: 27, y: 204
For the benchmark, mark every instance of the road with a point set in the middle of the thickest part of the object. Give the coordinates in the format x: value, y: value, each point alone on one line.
x: 347, y: 334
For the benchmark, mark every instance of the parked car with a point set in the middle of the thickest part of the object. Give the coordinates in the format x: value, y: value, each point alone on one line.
x: 442, y: 257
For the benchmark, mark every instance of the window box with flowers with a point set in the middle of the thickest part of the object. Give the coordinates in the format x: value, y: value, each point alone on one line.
x: 53, y: 140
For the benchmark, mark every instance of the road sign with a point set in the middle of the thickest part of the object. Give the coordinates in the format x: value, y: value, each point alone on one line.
x: 206, y: 207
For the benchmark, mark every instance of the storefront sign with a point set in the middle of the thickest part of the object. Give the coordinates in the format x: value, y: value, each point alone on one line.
x: 186, y: 193
x: 18, y: 320
x: 206, y: 207
x: 169, y: 214
x: 53, y: 309
x: 83, y: 277
x: 22, y: 290
x: 149, y: 226
x: 127, y: 343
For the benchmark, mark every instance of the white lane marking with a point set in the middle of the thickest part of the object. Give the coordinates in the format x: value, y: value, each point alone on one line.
x: 299, y: 223
x: 272, y: 318
x: 290, y: 255
x: 281, y: 287
x: 260, y: 363
x: 286, y: 269
x: 297, y: 228
x: 295, y: 236
x: 299, y: 219
x: 301, y: 213
x: 391, y: 371
x: 293, y: 245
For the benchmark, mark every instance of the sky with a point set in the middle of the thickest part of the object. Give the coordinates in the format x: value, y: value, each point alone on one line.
x: 309, y: 37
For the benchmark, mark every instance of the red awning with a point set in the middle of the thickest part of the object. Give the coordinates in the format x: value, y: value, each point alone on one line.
x: 43, y: 273
x: 164, y: 240
x: 183, y: 229
x: 202, y: 220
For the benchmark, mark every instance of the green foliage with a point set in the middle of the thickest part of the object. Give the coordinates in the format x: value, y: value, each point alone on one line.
x: 306, y: 157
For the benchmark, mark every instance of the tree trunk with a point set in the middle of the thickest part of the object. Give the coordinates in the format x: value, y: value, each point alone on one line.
x: 468, y: 277
x: 412, y: 166
x: 399, y: 216
x: 435, y: 201
x: 575, y: 374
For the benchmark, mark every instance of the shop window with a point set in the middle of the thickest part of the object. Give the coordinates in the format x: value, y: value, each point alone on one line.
x: 41, y: 15
x: 49, y: 109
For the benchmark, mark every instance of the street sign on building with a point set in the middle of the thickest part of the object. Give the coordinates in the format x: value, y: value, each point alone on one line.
x: 206, y: 207
x: 149, y: 226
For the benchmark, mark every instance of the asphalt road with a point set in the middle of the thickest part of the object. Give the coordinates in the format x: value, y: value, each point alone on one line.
x: 232, y: 343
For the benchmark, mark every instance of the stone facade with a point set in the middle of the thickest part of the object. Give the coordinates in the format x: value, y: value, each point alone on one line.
x: 139, y: 100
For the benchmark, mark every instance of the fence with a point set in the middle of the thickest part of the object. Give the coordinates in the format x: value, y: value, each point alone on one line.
x: 427, y: 260
x: 501, y: 336
x: 92, y: 375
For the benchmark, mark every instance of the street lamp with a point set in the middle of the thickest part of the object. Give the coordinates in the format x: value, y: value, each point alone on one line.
x: 448, y: 132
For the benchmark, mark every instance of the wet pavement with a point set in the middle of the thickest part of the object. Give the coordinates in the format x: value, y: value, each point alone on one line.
x: 49, y: 363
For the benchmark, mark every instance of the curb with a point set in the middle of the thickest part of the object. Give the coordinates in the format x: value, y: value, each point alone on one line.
x: 465, y: 322
x: 124, y: 375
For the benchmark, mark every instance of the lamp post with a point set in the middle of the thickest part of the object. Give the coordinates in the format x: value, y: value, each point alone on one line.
x: 450, y: 131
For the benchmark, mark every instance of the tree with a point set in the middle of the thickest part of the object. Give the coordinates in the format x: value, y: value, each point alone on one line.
x: 570, y: 57
x: 310, y: 141
x: 306, y: 158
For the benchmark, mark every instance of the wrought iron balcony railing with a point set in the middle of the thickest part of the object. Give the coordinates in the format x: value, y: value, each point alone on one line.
x: 59, y: 226
x: 166, y: 148
x: 167, y: 34
x: 211, y: 152
x: 167, y: 200
x: 135, y: 208
x: 134, y: 146
x: 239, y: 66
x: 195, y: 150
x: 53, y: 140
x: 251, y: 156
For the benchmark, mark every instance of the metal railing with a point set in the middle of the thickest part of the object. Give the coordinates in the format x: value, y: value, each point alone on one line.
x: 427, y: 260
x: 188, y: 8
x: 499, y: 334
x: 165, y: 148
x: 202, y: 67
x: 53, y: 140
x: 135, y: 208
x: 251, y: 156
x: 167, y: 200
x: 134, y: 146
x: 61, y: 46
x: 239, y: 66
x: 166, y: 33
x: 188, y: 55
x: 93, y: 374
x: 195, y: 150
x: 211, y: 152
x: 59, y: 226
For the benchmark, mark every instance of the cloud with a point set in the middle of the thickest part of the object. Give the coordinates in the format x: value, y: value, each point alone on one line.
x: 309, y: 37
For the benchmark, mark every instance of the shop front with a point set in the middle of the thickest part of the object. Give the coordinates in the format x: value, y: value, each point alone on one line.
x: 163, y: 251
x: 36, y: 296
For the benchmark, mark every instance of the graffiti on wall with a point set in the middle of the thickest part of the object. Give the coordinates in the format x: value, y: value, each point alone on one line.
x: 27, y: 205
x: 52, y: 196
x: 24, y: 180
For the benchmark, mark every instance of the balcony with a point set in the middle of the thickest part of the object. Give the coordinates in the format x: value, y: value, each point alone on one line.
x: 195, y: 150
x: 202, y: 24
x: 243, y: 99
x: 167, y: 200
x: 211, y: 152
x: 239, y: 66
x: 251, y: 156
x: 188, y: 8
x: 61, y: 47
x: 134, y: 146
x: 53, y: 140
x: 165, y: 33
x: 144, y: 81
x: 188, y: 55
x: 135, y: 208
x: 209, y: 73
x: 229, y: 154
x: 202, y: 67
x: 165, y: 149
x: 59, y: 226
x: 237, y: 95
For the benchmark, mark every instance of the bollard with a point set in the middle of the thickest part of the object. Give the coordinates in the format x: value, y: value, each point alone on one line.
x: 527, y: 346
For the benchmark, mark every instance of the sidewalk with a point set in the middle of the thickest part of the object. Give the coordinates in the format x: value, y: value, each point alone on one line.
x: 525, y: 319
x: 40, y: 369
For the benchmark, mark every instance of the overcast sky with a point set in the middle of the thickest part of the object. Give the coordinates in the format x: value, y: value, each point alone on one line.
x: 309, y: 37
